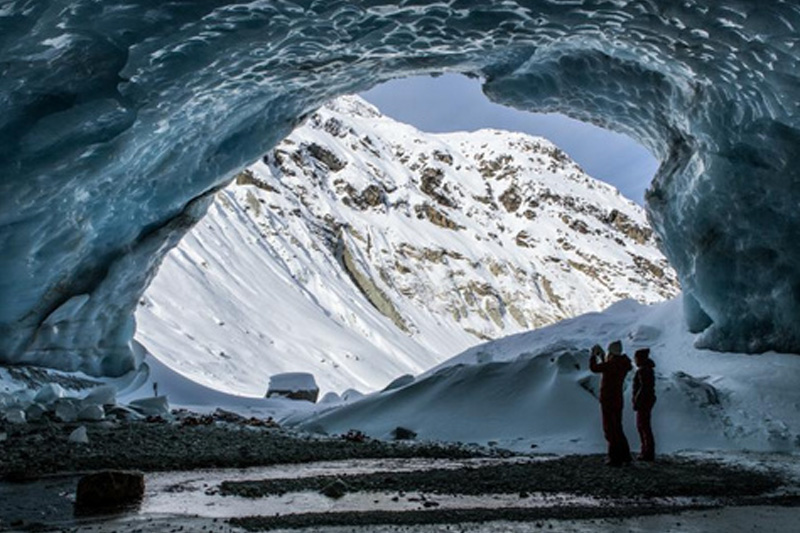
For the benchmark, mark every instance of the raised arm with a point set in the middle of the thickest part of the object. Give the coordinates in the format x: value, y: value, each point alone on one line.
x: 597, y: 366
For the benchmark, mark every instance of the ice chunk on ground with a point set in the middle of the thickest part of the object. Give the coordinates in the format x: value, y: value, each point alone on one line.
x: 91, y: 413
x: 103, y: 395
x: 49, y: 394
x: 79, y: 436
x: 155, y: 406
x: 66, y: 410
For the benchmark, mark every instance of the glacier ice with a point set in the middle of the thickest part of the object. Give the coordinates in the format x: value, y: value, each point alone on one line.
x: 119, y: 119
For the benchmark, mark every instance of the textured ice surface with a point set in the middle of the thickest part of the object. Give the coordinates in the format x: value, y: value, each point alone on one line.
x: 117, y: 118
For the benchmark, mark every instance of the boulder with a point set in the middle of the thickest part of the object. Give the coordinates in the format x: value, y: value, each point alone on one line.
x: 111, y: 489
x: 294, y: 386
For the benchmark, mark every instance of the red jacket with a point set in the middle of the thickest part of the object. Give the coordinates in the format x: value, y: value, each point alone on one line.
x: 614, y: 369
x: 644, y: 386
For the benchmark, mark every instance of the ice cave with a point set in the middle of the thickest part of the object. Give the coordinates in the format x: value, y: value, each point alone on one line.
x: 119, y: 120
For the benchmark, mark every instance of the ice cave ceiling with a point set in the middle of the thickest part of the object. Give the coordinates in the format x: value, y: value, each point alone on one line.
x: 118, y: 118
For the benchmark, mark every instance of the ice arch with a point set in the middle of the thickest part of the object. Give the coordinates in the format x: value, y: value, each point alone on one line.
x: 119, y: 118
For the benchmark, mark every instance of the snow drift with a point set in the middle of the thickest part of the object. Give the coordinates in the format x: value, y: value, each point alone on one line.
x: 534, y: 390
x: 119, y: 119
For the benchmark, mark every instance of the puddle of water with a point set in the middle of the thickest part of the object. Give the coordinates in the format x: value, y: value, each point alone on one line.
x: 51, y: 500
x: 194, y: 494
x: 211, y: 505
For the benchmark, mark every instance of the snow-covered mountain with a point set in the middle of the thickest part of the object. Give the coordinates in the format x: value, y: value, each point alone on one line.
x: 361, y: 249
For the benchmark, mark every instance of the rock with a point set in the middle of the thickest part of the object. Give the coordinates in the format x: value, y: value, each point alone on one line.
x: 401, y: 433
x: 223, y: 415
x: 3, y: 437
x: 326, y: 157
x: 154, y: 406
x: 294, y: 386
x: 66, y: 412
x: 15, y: 416
x: 79, y: 436
x: 109, y: 489
x: 436, y: 217
x: 431, y: 184
x: 35, y: 412
x: 49, y: 394
x: 103, y: 395
x: 93, y: 413
x: 511, y: 199
x: 698, y: 389
x: 397, y: 383
x: 624, y: 224
x: 335, y: 490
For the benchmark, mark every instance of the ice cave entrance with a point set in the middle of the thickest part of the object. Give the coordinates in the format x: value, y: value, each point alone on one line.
x: 394, y: 234
x: 133, y: 123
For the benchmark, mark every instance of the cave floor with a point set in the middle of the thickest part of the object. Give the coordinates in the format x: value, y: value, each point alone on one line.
x: 690, y: 492
x: 746, y: 519
x: 230, y: 476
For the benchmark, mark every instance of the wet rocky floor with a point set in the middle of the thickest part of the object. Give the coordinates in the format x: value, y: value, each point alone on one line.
x: 222, y: 477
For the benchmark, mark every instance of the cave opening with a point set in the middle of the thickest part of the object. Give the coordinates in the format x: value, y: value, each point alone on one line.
x: 395, y: 240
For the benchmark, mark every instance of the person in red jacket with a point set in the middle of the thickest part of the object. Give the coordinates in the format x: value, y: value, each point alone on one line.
x: 644, y: 398
x: 614, y: 367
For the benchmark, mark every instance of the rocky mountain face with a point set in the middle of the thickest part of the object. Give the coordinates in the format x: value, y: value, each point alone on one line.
x: 412, y: 246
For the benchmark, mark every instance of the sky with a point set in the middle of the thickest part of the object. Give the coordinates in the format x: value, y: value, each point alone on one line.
x: 453, y: 102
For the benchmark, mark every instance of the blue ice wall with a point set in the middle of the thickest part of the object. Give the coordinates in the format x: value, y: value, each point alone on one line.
x: 119, y: 118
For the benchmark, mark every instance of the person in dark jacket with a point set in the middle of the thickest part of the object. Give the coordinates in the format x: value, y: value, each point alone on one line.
x: 644, y: 398
x: 614, y: 367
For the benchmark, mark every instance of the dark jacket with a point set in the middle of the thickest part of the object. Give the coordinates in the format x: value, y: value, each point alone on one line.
x: 644, y: 386
x: 614, y: 369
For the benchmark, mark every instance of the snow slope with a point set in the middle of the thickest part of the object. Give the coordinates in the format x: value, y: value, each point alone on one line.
x: 361, y: 249
x: 534, y: 389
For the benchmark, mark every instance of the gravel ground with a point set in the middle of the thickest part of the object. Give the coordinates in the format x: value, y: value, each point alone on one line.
x: 32, y: 450
x: 576, y: 474
x: 729, y: 520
